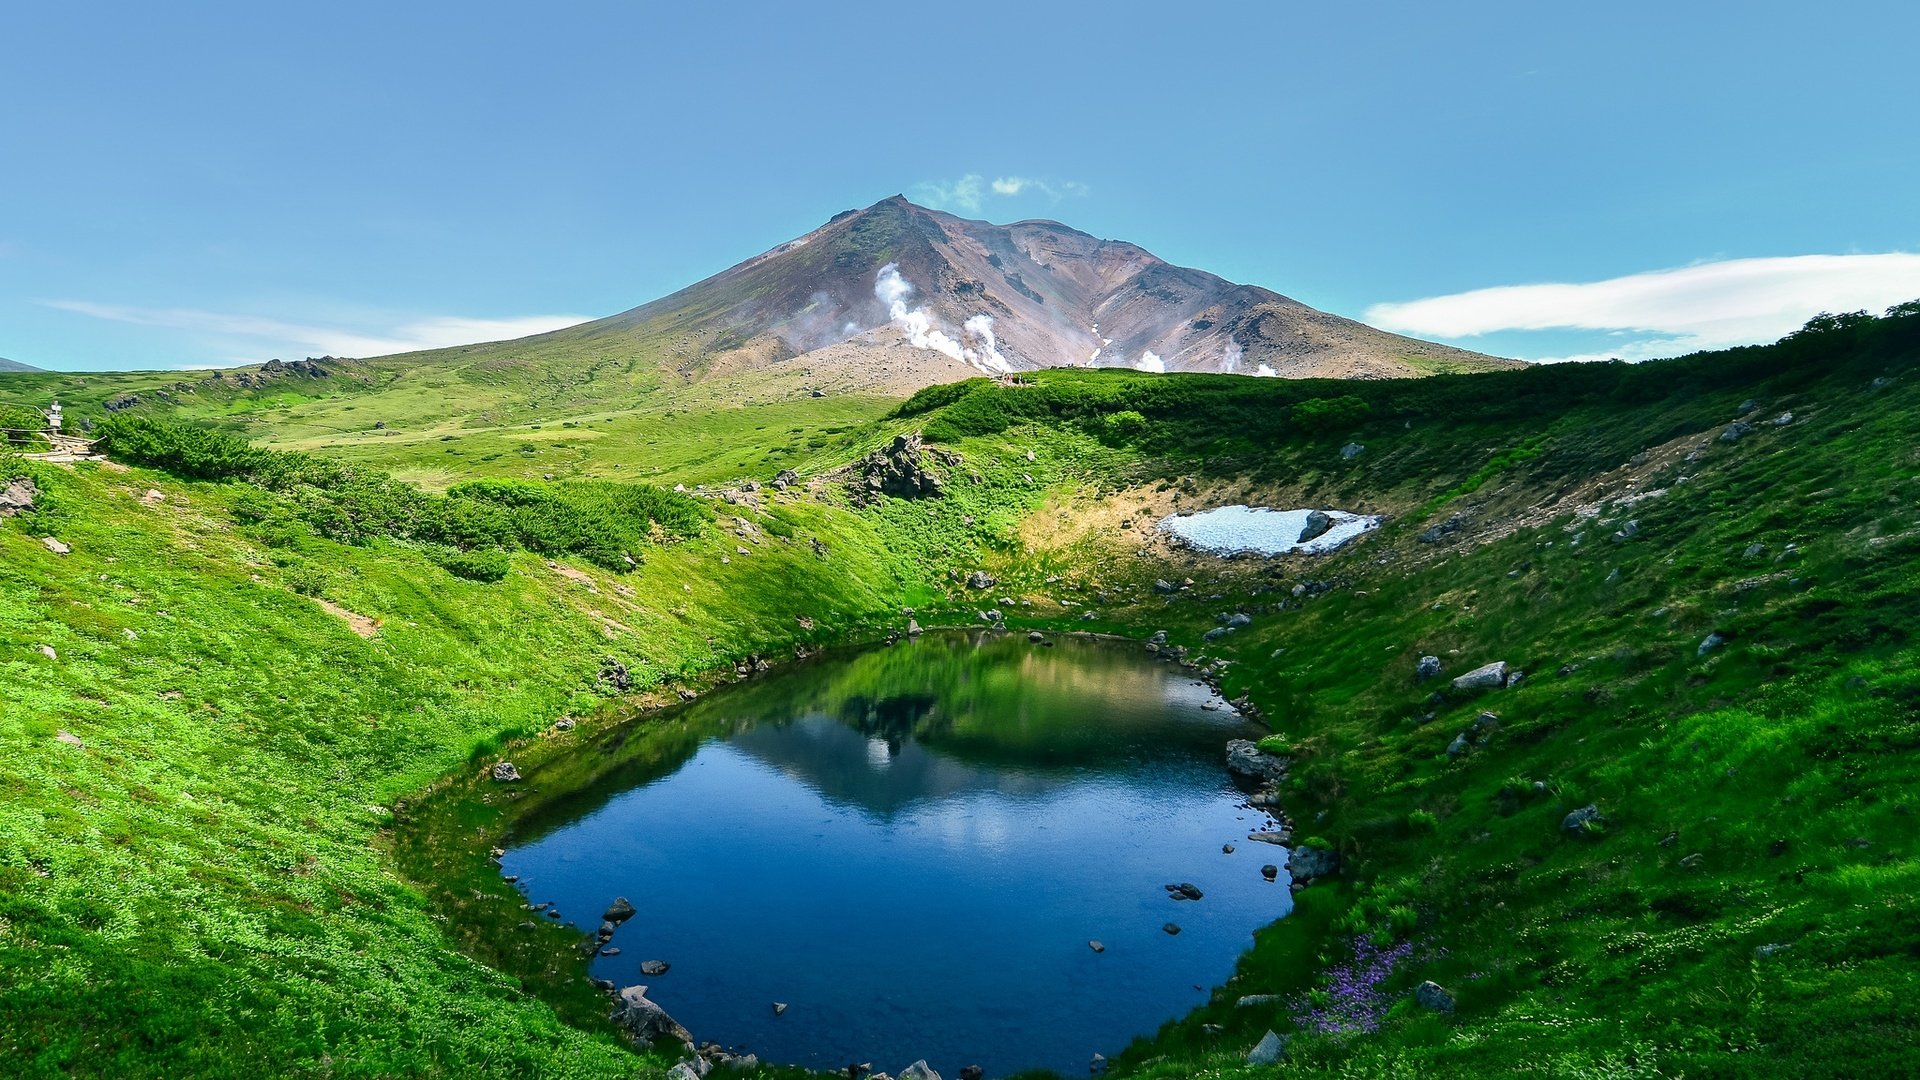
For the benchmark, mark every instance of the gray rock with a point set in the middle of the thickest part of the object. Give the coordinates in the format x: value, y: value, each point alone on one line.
x: 1306, y: 863
x: 1159, y: 638
x: 1736, y: 431
x: 1427, y: 668
x: 1270, y: 871
x: 1215, y: 634
x: 683, y: 1071
x: 1579, y: 819
x: 1351, y: 450
x: 619, y: 911
x: 1172, y: 929
x: 972, y: 1072
x: 1783, y: 419
x: 654, y: 967
x: 1250, y: 1001
x: 17, y: 496
x: 913, y: 628
x: 1459, y: 746
x: 1097, y: 946
x: 645, y: 1020
x: 1239, y: 619
x: 779, y: 1008
x: 1269, y: 1050
x: 1186, y: 890
x: 1746, y: 407
x: 505, y: 772
x: 565, y: 723
x: 1245, y: 758
x: 56, y: 546
x: 919, y: 1070
x: 1754, y: 551
x: 1709, y: 643
x: 1626, y: 532
x: 1098, y: 1065
x: 1485, y: 677
x: 980, y: 579
x: 1431, y: 995
x: 49, y: 652
x: 1162, y: 585
x: 1317, y: 524
x: 1036, y: 637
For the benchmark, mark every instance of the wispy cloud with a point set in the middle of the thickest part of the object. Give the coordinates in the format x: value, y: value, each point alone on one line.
x: 970, y: 192
x: 255, y: 336
x: 1709, y: 305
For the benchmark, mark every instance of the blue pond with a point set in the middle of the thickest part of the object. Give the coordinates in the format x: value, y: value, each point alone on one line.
x: 912, y: 848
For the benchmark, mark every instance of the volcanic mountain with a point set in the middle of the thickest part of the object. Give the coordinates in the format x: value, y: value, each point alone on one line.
x: 15, y: 365
x: 897, y: 296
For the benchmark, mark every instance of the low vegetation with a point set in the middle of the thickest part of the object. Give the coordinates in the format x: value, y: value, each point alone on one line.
x: 1704, y: 568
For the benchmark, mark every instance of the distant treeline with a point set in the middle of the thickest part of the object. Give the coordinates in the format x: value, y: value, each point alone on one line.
x: 469, y: 530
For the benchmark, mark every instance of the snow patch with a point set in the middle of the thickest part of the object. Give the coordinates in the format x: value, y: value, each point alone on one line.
x: 1262, y: 530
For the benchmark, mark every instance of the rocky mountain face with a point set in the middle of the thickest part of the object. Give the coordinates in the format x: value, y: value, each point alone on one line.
x: 15, y: 365
x: 902, y: 296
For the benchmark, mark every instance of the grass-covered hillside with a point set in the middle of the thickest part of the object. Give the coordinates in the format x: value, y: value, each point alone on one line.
x: 1706, y: 569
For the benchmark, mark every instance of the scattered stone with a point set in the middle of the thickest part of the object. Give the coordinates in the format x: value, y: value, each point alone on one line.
x: 980, y: 579
x: 1239, y: 619
x: 565, y: 723
x: 1270, y: 872
x: 56, y: 546
x: 1783, y: 419
x: 1185, y: 891
x: 614, y: 675
x: 1245, y: 758
x: 1351, y: 450
x: 1427, y: 668
x: 1746, y: 407
x: 1626, y: 532
x: 919, y: 1070
x: 779, y: 1008
x: 1459, y: 746
x: 1226, y: 849
x: 1579, y: 820
x: 1432, y: 995
x: 1162, y: 585
x: 1318, y: 522
x: 1250, y: 1001
x: 683, y: 1071
x: 1159, y: 638
x: 1736, y: 431
x: 1764, y: 951
x: 1172, y: 928
x: 69, y: 738
x: 1709, y: 643
x: 505, y: 772
x: 1269, y: 1050
x: 654, y: 967
x: 17, y: 496
x: 1754, y: 551
x: 1097, y: 946
x: 645, y: 1020
x: 619, y: 911
x: 1486, y: 677
x: 610, y: 950
x: 49, y: 652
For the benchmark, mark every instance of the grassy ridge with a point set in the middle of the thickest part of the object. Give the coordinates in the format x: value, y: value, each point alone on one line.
x: 197, y: 888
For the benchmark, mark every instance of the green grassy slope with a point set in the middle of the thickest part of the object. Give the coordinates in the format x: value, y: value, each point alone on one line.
x: 202, y: 885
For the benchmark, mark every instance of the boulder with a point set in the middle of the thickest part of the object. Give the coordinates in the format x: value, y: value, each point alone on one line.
x: 1427, y: 668
x: 619, y: 911
x: 17, y: 496
x: 1351, y: 450
x: 1783, y: 419
x: 1097, y: 946
x: 645, y: 1020
x: 1709, y: 643
x: 1736, y: 431
x: 1485, y: 677
x: 1431, y: 995
x: 919, y: 1070
x: 1318, y: 522
x: 1459, y: 746
x: 1270, y: 871
x: 1578, y: 820
x: 898, y: 471
x: 1306, y: 863
x: 1239, y: 619
x: 1036, y: 637
x: 980, y: 579
x: 56, y: 546
x: 683, y: 1071
x: 1269, y: 1050
x: 1162, y: 585
x: 1245, y: 758
x: 654, y: 967
x: 505, y: 772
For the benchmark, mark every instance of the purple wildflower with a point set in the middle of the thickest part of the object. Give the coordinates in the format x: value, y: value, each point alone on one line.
x: 1350, y: 998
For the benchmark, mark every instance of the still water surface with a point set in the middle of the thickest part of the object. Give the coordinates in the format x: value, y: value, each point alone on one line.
x: 912, y: 847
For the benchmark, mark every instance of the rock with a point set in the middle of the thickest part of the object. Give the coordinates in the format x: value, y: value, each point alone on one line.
x: 779, y: 1008
x: 1746, y: 407
x: 49, y: 652
x: 1351, y: 450
x: 1098, y: 1065
x: 1226, y: 849
x: 980, y: 579
x: 1318, y: 522
x: 1173, y: 929
x: 505, y: 772
x: 654, y: 967
x: 1239, y: 619
x: 1427, y: 668
x: 1306, y: 863
x: 1783, y: 419
x: 1459, y: 746
x: 1736, y: 431
x: 1626, y: 532
x: 1215, y: 634
x: 1097, y: 946
x: 614, y: 676
x: 1754, y: 551
x: 1159, y: 638
x: 1185, y: 891
x: 898, y: 471
x: 1578, y: 821
x: 1245, y: 758
x: 972, y: 1072
x: 1162, y: 585
x: 619, y: 911
x: 1036, y: 637
x: 17, y: 496
x: 1251, y: 1001
x: 1281, y: 838
x: 1269, y: 1050
x: 1270, y: 872
x: 1431, y: 995
x: 1709, y: 643
x: 646, y: 1021
x: 919, y: 1070
x: 607, y: 929
x: 913, y: 628
x: 1693, y: 861
x: 565, y: 723
x: 56, y: 546
x: 68, y: 737
x: 1485, y: 677
x: 610, y: 950
x: 683, y: 1071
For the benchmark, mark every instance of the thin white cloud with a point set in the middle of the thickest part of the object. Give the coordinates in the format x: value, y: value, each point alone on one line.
x: 1711, y: 305
x: 969, y: 193
x: 254, y: 334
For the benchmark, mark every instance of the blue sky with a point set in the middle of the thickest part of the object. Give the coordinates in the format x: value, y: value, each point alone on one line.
x: 210, y: 183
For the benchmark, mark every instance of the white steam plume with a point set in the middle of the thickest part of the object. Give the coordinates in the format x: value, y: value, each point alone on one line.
x: 894, y: 291
x: 980, y: 328
x: 1150, y: 361
x: 1230, y: 363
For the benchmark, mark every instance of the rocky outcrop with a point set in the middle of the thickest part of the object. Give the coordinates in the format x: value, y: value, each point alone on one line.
x: 1269, y: 1050
x: 1318, y: 522
x: 17, y: 496
x: 506, y: 772
x: 1245, y: 758
x: 1306, y: 863
x: 1431, y: 995
x: 645, y: 1020
x: 1485, y: 677
x: 900, y: 471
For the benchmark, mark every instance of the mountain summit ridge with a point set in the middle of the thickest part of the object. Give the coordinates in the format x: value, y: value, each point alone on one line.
x: 897, y: 296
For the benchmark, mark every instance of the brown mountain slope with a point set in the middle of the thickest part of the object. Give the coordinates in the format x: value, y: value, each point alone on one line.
x: 896, y: 296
